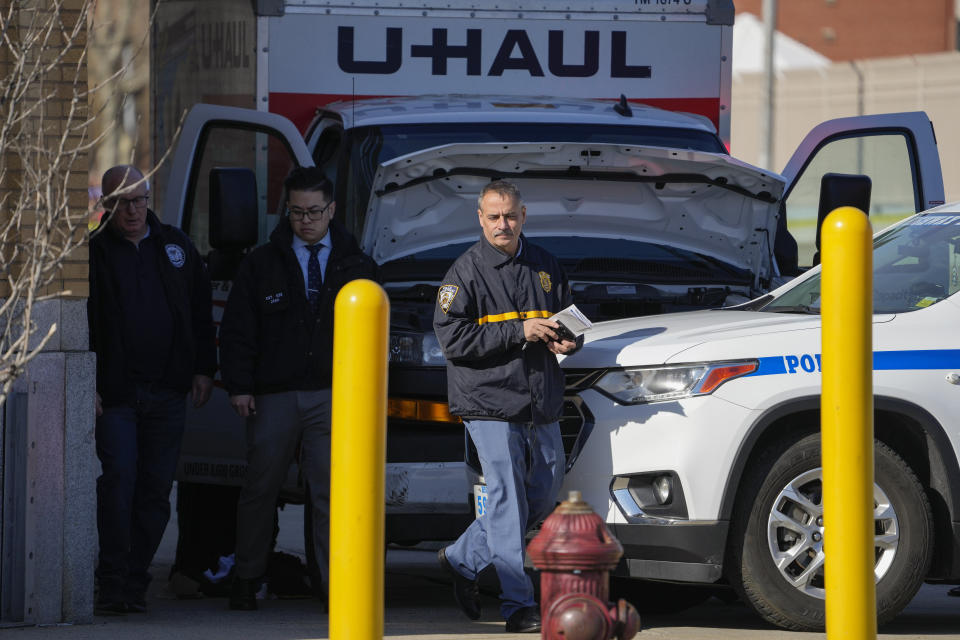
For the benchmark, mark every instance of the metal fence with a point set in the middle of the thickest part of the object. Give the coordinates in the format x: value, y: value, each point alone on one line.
x: 804, y: 98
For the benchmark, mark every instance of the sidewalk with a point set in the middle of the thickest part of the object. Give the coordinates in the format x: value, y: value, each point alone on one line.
x: 412, y: 612
x: 419, y: 605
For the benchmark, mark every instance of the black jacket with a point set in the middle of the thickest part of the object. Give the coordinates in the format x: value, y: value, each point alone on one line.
x: 481, y: 305
x: 269, y: 339
x: 187, y: 289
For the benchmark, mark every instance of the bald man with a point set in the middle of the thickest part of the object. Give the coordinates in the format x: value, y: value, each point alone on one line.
x: 151, y: 326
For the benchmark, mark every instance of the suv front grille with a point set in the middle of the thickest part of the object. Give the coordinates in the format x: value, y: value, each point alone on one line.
x: 576, y: 423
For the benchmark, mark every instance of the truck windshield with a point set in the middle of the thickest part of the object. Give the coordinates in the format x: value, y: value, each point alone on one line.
x: 370, y: 146
x: 915, y: 265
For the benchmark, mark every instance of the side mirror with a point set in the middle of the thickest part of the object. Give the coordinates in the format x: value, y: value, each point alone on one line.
x: 233, y: 219
x: 841, y: 190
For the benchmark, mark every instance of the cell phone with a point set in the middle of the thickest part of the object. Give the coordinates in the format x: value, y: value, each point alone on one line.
x: 563, y: 333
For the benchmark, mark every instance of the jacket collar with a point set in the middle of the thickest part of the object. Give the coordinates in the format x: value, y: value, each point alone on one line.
x: 154, y: 228
x: 340, y: 240
x: 493, y: 257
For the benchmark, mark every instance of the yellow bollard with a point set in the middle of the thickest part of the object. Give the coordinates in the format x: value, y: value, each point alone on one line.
x: 358, y: 460
x: 847, y: 424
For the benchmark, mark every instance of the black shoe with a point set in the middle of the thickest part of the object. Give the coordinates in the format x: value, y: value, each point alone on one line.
x: 954, y: 592
x: 465, y: 592
x: 243, y: 594
x: 109, y: 607
x: 526, y: 620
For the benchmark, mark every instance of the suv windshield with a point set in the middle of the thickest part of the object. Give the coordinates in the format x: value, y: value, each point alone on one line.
x: 370, y: 146
x: 915, y: 264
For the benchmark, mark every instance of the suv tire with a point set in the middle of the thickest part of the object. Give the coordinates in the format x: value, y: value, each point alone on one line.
x: 792, y: 468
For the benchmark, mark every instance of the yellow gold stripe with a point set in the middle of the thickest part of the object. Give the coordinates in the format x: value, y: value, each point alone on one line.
x: 514, y: 315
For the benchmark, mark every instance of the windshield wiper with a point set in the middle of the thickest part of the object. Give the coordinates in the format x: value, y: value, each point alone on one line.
x: 797, y: 308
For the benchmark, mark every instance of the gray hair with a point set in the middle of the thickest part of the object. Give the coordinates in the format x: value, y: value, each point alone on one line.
x: 504, y: 188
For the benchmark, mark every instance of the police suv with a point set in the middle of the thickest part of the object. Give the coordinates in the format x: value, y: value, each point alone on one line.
x: 704, y: 449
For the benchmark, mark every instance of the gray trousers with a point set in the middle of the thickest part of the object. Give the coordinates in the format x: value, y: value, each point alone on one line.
x: 281, y: 422
x: 523, y: 467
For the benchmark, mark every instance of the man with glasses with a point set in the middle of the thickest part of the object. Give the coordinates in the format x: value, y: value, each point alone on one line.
x: 151, y: 327
x: 276, y: 355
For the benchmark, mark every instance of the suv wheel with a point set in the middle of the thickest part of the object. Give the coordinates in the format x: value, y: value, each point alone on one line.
x: 777, y: 536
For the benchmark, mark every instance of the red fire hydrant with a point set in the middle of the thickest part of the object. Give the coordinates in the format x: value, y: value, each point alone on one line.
x: 575, y: 552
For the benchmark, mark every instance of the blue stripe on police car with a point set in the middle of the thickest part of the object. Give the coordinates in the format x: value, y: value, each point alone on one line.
x: 882, y: 361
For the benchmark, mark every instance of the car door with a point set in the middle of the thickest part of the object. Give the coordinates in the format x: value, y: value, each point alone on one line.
x: 897, y: 151
x: 213, y: 136
x: 218, y: 136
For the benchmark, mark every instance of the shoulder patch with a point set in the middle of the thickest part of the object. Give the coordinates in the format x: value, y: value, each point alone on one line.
x: 545, y: 281
x: 176, y: 255
x: 446, y: 294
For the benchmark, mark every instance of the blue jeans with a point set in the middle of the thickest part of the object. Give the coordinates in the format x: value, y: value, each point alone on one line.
x: 523, y: 467
x: 138, y: 446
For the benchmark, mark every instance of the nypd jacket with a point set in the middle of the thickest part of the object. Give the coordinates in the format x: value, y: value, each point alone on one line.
x: 270, y: 341
x: 187, y: 290
x: 481, y: 305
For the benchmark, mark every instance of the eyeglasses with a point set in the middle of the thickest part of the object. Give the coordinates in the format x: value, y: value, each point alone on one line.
x: 123, y: 203
x: 313, y: 213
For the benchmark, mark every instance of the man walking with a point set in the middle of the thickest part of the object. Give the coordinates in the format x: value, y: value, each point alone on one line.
x: 504, y: 380
x: 276, y: 353
x: 151, y: 327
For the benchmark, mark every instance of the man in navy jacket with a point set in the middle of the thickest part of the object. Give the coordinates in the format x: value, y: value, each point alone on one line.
x: 151, y: 326
x: 503, y: 379
x: 276, y: 354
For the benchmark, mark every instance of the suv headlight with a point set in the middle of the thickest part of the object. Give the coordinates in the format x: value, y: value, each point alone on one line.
x: 636, y: 385
x: 415, y: 348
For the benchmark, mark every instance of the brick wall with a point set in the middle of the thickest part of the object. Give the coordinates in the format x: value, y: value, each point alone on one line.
x: 59, y: 114
x: 846, y: 30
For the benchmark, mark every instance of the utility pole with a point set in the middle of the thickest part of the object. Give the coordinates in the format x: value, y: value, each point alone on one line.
x: 769, y: 84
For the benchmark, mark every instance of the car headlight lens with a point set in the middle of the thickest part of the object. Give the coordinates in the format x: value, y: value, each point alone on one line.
x: 638, y: 385
x: 415, y: 348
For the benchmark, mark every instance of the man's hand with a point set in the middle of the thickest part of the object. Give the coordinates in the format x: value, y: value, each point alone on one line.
x: 536, y: 329
x: 99, y: 405
x: 243, y: 404
x: 561, y: 347
x: 202, y: 385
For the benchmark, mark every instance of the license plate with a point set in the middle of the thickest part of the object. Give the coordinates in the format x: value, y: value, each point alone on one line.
x: 480, y: 499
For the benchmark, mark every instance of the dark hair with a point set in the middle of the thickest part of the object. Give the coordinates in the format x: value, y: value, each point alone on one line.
x: 308, y: 179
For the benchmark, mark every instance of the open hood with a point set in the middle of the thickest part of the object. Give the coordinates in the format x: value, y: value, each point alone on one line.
x: 703, y: 202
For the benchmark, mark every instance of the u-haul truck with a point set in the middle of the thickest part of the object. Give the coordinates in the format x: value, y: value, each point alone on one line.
x: 411, y: 108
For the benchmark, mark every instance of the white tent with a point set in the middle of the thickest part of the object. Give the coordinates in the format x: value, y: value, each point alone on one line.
x: 748, y: 52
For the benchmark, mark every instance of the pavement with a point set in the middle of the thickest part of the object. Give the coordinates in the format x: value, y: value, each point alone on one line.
x: 419, y: 606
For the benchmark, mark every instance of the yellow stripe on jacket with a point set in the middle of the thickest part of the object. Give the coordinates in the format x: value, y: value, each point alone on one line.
x: 513, y: 315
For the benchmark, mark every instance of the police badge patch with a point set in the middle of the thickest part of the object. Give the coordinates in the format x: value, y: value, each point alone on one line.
x: 545, y: 281
x: 176, y: 255
x: 446, y: 295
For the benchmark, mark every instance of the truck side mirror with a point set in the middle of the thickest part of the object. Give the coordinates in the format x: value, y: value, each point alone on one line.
x: 841, y: 190
x: 233, y: 219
